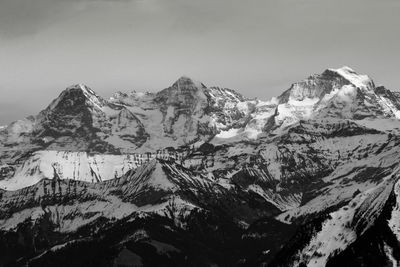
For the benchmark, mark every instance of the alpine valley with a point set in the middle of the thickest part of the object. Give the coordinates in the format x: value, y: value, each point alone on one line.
x: 203, y: 176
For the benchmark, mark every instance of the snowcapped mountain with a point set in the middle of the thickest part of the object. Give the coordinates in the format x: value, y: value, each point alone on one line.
x: 189, y: 105
x: 203, y: 176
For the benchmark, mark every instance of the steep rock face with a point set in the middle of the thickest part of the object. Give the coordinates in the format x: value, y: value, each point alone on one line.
x: 227, y: 108
x: 316, y: 86
x: 88, y: 122
x: 183, y: 107
x: 71, y: 118
x: 302, y: 98
x: 78, y: 120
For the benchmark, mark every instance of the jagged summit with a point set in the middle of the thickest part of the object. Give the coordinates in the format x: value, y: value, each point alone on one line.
x: 80, y: 86
x: 330, y: 81
x: 75, y: 95
x: 358, y: 80
x: 188, y: 112
x: 185, y: 82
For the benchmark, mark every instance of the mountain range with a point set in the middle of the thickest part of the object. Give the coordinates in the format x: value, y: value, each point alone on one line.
x: 203, y: 176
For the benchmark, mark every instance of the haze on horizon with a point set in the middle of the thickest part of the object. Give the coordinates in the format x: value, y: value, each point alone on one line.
x: 257, y: 47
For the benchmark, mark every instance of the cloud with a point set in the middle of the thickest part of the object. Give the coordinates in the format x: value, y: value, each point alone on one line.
x: 19, y: 18
x: 209, y: 15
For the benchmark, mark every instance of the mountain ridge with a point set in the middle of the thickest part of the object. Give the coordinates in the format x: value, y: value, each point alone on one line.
x: 203, y: 176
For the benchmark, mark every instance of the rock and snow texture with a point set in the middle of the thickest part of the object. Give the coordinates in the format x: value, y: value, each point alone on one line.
x: 324, y: 153
x: 82, y: 166
x: 95, y: 199
x: 70, y: 165
x: 185, y: 114
x: 188, y: 112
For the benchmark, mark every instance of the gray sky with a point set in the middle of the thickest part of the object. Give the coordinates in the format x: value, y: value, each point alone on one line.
x: 257, y: 47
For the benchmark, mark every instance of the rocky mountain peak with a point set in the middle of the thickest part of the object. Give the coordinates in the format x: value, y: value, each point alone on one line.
x: 77, y: 95
x: 81, y: 89
x: 358, y: 80
x: 183, y: 92
x: 185, y: 82
x: 331, y: 80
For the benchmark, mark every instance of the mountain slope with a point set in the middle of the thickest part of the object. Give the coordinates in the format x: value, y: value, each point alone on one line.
x: 202, y: 176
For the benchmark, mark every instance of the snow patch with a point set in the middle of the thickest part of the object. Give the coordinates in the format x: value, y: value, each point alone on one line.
x: 361, y: 81
x: 228, y: 133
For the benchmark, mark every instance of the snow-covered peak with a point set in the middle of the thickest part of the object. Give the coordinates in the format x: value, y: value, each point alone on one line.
x: 343, y: 69
x: 359, y: 80
x: 319, y: 86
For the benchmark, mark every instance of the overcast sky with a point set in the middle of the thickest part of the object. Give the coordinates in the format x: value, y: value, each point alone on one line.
x: 257, y: 47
